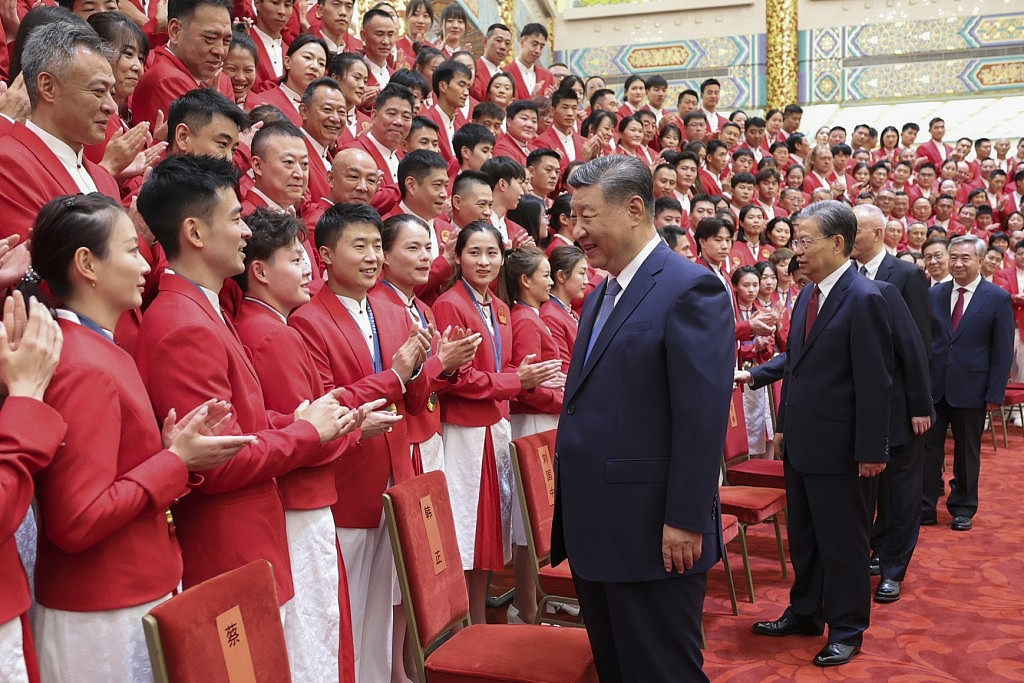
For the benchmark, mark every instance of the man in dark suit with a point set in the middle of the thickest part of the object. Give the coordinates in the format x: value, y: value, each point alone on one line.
x: 835, y: 417
x: 641, y: 434
x: 898, y: 518
x: 972, y: 348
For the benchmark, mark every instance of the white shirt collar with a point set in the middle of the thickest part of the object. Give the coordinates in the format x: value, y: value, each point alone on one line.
x: 60, y: 149
x: 380, y: 73
x: 271, y: 204
x: 491, y: 66
x: 65, y: 314
x: 352, y: 306
x: 830, y: 280
x: 971, y: 287
x: 630, y: 270
x: 872, y: 265
x: 384, y: 151
x: 526, y: 69
x: 268, y: 307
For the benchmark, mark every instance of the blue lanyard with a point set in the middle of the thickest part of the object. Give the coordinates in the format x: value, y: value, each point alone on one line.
x: 378, y: 360
x: 495, y: 335
x: 91, y: 324
x: 424, y: 323
x: 565, y: 308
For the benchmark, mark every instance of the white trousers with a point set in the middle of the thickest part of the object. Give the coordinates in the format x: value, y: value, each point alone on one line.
x: 12, y: 653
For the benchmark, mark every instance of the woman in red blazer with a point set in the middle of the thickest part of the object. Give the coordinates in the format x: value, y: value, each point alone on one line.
x: 569, y: 284
x: 32, y: 432
x: 351, y: 73
x: 305, y: 62
x: 475, y: 427
x: 419, y: 18
x: 746, y: 282
x: 107, y: 552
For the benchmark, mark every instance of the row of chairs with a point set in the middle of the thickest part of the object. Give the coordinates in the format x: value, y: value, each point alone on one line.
x: 228, y: 628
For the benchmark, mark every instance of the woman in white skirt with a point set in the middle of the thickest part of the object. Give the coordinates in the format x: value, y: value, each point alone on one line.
x: 475, y: 412
x: 746, y: 283
x: 526, y: 286
x: 107, y: 552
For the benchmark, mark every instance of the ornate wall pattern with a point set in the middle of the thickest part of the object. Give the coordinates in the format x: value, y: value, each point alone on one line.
x: 897, y: 60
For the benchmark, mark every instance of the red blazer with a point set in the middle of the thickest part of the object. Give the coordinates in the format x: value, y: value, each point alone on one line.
x: 930, y: 150
x: 481, y: 80
x: 288, y: 377
x: 1007, y: 279
x: 812, y: 183
x: 544, y: 78
x: 406, y: 53
x: 507, y: 147
x: 423, y: 425
x: 105, y: 542
x: 266, y: 77
x: 156, y: 38
x: 387, y: 196
x: 31, y: 175
x: 740, y: 255
x: 550, y: 140
x: 362, y: 125
x: 435, y: 114
x: 277, y: 97
x: 187, y: 355
x: 244, y: 9
x: 166, y: 79
x: 480, y: 398
x: 563, y: 326
x: 32, y: 433
x: 712, y: 184
x: 319, y: 187
x: 530, y: 335
x: 339, y: 352
x: 94, y: 153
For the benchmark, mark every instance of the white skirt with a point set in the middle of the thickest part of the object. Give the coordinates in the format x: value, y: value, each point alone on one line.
x: 432, y: 453
x: 77, y: 647
x: 312, y: 620
x: 463, y: 462
x: 526, y: 424
x: 12, y: 653
x: 759, y: 419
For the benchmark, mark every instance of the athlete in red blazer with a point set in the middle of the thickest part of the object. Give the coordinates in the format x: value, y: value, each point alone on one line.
x: 186, y: 353
x: 31, y: 175
x: 550, y: 140
x: 166, y: 79
x: 280, y: 99
x: 531, y: 336
x: 930, y: 152
x: 319, y: 187
x: 444, y: 144
x: 506, y: 146
x: 563, y: 325
x: 387, y: 196
x: 544, y: 79
x: 266, y: 76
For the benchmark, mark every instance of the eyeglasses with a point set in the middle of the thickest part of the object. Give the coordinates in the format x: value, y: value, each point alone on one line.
x: 934, y: 257
x: 805, y: 242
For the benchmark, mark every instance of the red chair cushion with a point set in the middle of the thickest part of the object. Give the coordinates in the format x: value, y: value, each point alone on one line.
x: 501, y: 652
x: 763, y: 473
x: 192, y: 640
x: 751, y: 505
x: 1013, y: 397
x: 730, y: 528
x: 558, y: 580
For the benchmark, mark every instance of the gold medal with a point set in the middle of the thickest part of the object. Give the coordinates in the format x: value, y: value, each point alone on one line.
x: 393, y: 409
x: 432, y: 402
x: 503, y: 315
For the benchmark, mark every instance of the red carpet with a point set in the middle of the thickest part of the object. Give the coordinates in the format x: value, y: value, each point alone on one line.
x: 961, y: 617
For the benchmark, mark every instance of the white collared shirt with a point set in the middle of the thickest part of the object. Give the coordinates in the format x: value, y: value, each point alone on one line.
x: 274, y: 48
x: 267, y: 306
x: 380, y: 73
x: 932, y: 283
x: 499, y: 222
x: 712, y: 119
x: 435, y: 251
x: 830, y: 280
x: 357, y: 309
x: 491, y: 68
x: 941, y: 147
x: 630, y: 270
x: 331, y: 45
x: 529, y: 74
x: 871, y: 267
x: 71, y: 161
x: 64, y: 314
x: 293, y: 97
x: 971, y: 287
x: 321, y: 151
x: 449, y: 126
x: 271, y: 204
x: 390, y: 157
x: 567, y: 143
x: 410, y: 305
x: 352, y: 121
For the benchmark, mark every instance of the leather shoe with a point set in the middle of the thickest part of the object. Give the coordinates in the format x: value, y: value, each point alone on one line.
x: 786, y: 626
x: 835, y: 654
x: 875, y: 566
x: 961, y: 523
x: 888, y: 591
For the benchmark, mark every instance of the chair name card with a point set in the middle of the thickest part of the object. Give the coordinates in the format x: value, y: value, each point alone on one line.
x: 235, y: 646
x: 433, y: 534
x: 548, y: 466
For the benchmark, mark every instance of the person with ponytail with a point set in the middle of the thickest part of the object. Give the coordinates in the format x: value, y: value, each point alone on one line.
x: 475, y: 414
x: 106, y: 551
x: 569, y: 270
x: 525, y: 286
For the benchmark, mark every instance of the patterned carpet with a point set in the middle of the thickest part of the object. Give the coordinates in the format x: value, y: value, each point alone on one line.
x: 961, y: 617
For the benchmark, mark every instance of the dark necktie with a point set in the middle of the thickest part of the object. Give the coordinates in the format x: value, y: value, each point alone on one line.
x: 611, y: 290
x: 863, y: 270
x: 812, y: 311
x: 958, y: 310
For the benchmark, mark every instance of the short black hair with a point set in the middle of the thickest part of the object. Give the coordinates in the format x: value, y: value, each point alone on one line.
x: 417, y: 164
x: 666, y: 204
x: 182, y: 187
x: 598, y: 94
x: 535, y: 156
x: 534, y: 29
x: 269, y: 131
x: 447, y: 71
x: 709, y: 82
x: 469, y: 136
x: 184, y: 10
x: 271, y: 230
x: 336, y: 219
x: 503, y: 168
x: 413, y: 80
x: 488, y: 110
x: 518, y: 106
x: 394, y: 91
x: 467, y: 178
x: 196, y: 109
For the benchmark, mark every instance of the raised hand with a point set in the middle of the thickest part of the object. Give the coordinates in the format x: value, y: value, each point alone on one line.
x: 456, y: 347
x: 29, y: 347
x: 533, y: 374
x: 411, y: 354
x: 200, y: 451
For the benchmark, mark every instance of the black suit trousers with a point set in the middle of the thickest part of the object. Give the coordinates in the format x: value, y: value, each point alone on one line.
x: 645, y: 631
x: 968, y: 425
x: 898, y: 519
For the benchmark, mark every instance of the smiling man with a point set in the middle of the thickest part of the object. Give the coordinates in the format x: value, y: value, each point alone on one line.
x: 390, y: 125
x: 70, y: 85
x: 323, y: 114
x: 280, y: 164
x: 641, y: 434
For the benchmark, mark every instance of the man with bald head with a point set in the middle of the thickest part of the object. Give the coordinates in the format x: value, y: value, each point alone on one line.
x: 70, y: 89
x: 354, y: 178
x: 898, y: 518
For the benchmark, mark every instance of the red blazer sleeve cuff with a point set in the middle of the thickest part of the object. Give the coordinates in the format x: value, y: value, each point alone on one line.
x: 163, y: 477
x: 47, y: 427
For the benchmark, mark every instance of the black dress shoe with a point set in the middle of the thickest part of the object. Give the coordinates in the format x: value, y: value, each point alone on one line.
x: 874, y: 566
x: 961, y: 523
x: 835, y: 654
x: 787, y: 626
x: 888, y: 591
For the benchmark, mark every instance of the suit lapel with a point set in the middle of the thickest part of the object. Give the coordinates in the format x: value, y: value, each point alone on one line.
x: 977, y: 302
x: 832, y: 303
x: 885, y: 269
x: 348, y: 328
x: 47, y: 159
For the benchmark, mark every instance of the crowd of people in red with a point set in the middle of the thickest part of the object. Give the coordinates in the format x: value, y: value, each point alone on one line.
x: 332, y: 262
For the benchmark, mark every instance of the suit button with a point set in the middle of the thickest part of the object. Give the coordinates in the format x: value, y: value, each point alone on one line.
x: 571, y: 409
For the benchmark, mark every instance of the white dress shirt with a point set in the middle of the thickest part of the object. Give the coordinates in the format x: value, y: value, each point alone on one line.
x: 274, y: 48
x: 529, y: 74
x: 826, y: 285
x: 567, y: 143
x: 435, y: 250
x: 357, y: 309
x: 321, y: 151
x: 712, y: 117
x: 69, y: 159
x: 630, y: 270
x: 381, y: 73
x: 871, y: 267
x: 390, y: 157
x: 968, y: 295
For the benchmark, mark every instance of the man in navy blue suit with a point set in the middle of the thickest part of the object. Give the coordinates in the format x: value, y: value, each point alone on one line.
x: 641, y: 434
x: 972, y: 349
x: 898, y: 518
x: 835, y: 418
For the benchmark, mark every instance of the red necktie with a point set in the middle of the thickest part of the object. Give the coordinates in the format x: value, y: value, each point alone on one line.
x: 958, y: 310
x: 812, y: 311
